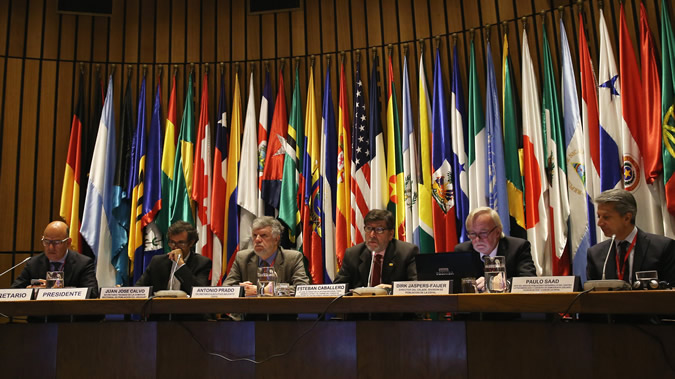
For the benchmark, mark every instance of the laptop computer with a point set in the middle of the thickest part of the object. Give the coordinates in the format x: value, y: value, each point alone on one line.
x: 449, y: 266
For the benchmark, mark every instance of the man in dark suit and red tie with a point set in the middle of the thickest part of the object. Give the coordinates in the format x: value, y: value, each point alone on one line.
x: 381, y: 259
x: 484, y: 229
x: 631, y: 250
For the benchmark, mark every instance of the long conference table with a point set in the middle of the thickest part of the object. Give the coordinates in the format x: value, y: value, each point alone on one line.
x: 538, y: 344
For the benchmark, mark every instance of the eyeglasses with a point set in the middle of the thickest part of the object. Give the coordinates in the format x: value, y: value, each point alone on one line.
x: 172, y: 243
x: 481, y: 235
x: 378, y: 230
x: 47, y: 242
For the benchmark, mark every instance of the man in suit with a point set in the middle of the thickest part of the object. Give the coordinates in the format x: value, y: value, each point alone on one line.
x: 381, y: 259
x: 484, y: 229
x: 192, y: 269
x: 288, y: 264
x: 78, y: 270
x: 637, y: 250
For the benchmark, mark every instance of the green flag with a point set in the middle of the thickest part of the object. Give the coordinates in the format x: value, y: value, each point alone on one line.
x: 182, y: 207
x: 288, y: 207
x: 477, y: 147
x: 514, y: 178
x: 668, y: 104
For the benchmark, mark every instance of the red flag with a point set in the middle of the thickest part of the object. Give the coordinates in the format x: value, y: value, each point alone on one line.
x: 651, y: 103
x: 201, y: 189
x: 274, y: 163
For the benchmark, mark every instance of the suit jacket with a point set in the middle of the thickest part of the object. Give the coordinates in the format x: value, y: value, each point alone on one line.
x: 651, y: 252
x: 194, y: 273
x: 516, y: 252
x: 398, y: 264
x: 288, y: 266
x: 78, y: 271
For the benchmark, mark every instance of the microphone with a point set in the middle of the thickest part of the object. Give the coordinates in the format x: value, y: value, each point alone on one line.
x: 16, y: 265
x: 173, y: 271
x: 607, y: 284
x: 172, y: 292
x: 604, y: 265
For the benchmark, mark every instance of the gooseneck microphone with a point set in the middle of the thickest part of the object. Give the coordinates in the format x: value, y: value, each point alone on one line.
x: 604, y: 266
x: 16, y: 265
x: 173, y: 271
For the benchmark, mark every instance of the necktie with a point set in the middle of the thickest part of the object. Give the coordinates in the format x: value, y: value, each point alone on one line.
x: 55, y: 266
x: 377, y: 270
x: 623, y: 265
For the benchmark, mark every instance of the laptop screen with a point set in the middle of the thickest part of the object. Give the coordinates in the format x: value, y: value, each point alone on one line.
x: 449, y: 266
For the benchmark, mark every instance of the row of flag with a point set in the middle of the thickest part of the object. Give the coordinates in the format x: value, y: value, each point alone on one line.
x: 320, y: 173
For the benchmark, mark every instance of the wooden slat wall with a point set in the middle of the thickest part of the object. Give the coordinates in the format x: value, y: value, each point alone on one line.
x: 42, y: 52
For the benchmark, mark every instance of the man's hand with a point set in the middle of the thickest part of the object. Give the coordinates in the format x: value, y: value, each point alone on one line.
x: 177, y: 256
x: 480, y: 284
x: 249, y: 288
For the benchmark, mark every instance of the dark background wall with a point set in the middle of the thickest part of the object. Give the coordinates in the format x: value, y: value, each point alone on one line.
x: 42, y: 52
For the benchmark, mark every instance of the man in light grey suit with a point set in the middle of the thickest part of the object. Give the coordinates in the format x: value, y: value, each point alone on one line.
x: 266, y: 234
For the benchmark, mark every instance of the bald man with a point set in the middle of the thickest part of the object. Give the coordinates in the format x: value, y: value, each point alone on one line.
x: 78, y: 270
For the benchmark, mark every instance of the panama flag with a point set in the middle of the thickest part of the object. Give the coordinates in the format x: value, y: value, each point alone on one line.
x: 477, y: 150
x: 248, y: 193
x: 203, y: 166
x: 591, y: 127
x: 360, y: 185
x: 556, y: 168
x: 328, y: 181
x: 459, y: 142
x: 497, y: 195
x: 426, y: 215
x: 609, y: 110
x: 443, y: 191
x: 410, y: 164
x: 97, y: 219
x: 633, y: 130
x: 534, y: 167
x: 579, y: 235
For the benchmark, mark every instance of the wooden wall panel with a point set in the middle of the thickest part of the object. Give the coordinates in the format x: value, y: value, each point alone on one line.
x: 34, y: 30
x: 45, y: 149
x: 17, y: 28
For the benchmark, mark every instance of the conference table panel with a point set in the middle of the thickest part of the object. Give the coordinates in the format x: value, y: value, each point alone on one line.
x: 185, y: 349
x: 113, y: 349
x: 28, y: 350
x: 403, y: 349
x: 307, y: 349
x: 514, y: 349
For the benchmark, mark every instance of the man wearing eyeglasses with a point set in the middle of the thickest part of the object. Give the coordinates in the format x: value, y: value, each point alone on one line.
x: 484, y: 229
x: 78, y: 270
x: 380, y: 259
x: 192, y: 269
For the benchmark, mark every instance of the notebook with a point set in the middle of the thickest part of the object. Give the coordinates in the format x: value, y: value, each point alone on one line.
x: 449, y: 266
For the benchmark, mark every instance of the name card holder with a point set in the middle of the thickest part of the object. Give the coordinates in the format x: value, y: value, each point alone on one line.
x: 539, y: 284
x: 321, y: 290
x: 227, y: 292
x: 125, y: 292
x: 422, y: 287
x: 62, y: 293
x: 16, y: 294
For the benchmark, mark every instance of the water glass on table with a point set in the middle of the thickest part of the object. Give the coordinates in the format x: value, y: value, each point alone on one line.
x: 267, y: 279
x: 495, y: 275
x: 54, y: 279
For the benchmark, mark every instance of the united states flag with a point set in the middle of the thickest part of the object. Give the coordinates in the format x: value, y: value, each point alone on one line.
x: 360, y: 184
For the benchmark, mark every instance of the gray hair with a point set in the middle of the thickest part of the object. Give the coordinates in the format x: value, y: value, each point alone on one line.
x: 622, y: 200
x: 481, y: 210
x: 267, y: 221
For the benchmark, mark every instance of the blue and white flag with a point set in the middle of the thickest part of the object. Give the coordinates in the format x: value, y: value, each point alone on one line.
x: 459, y: 142
x: 99, y: 228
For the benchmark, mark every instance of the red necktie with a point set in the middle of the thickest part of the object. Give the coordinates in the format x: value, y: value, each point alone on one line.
x: 377, y: 270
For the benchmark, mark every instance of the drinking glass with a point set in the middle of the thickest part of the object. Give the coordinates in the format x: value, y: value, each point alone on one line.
x: 267, y: 279
x: 54, y: 279
x: 469, y: 285
x: 495, y: 275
